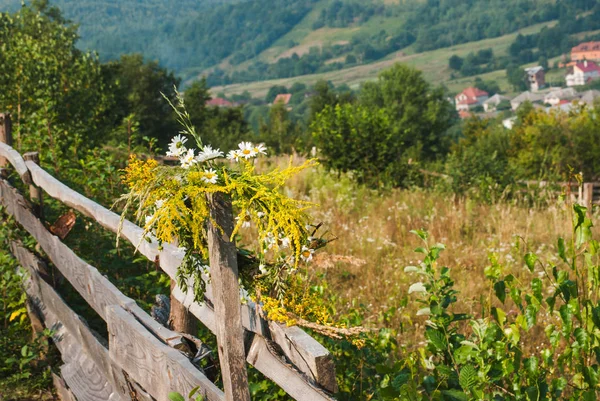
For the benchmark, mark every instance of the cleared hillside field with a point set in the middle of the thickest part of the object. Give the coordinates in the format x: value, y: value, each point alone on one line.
x: 434, y: 65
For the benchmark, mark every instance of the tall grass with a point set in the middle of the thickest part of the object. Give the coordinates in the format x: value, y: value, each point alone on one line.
x: 365, y: 264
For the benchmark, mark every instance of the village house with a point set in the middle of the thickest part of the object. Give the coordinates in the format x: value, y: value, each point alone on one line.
x: 492, y: 103
x: 526, y: 97
x: 583, y: 72
x: 282, y: 98
x: 560, y: 96
x: 219, y: 102
x: 536, y: 77
x: 586, y: 51
x: 470, y: 98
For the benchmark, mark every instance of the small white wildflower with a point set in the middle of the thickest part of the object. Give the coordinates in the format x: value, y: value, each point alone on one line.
x: 247, y: 150
x: 208, y: 153
x: 259, y: 149
x: 262, y: 268
x: 260, y: 215
x: 176, y: 147
x: 159, y: 203
x: 210, y: 176
x: 247, y: 219
x: 307, y: 253
x: 148, y: 220
x: 283, y: 241
x: 187, y: 160
x: 234, y: 155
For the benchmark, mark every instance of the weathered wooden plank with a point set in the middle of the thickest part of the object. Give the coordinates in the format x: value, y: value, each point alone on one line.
x: 158, y: 368
x: 16, y: 160
x: 71, y: 335
x: 307, y: 354
x: 86, y: 381
x: 226, y: 299
x: 5, y: 135
x: 315, y: 361
x: 264, y: 358
x: 62, y: 390
x: 87, y: 280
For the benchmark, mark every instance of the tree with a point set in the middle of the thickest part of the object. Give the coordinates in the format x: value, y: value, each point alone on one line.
x: 455, y: 62
x: 398, y: 122
x: 516, y: 78
x: 55, y: 92
x: 419, y: 115
x: 139, y: 87
x: 279, y: 133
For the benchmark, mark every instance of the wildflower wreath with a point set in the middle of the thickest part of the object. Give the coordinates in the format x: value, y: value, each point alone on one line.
x: 172, y: 203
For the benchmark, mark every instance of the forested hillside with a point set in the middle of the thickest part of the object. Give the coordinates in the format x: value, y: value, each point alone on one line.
x: 245, y: 41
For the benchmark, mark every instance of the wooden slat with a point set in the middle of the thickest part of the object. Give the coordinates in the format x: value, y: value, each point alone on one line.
x: 264, y: 358
x: 87, y: 280
x: 17, y: 162
x: 86, y: 381
x: 62, y: 390
x: 71, y: 335
x: 158, y: 368
x: 314, y: 361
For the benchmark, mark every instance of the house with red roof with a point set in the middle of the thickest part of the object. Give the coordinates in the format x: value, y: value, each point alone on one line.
x: 583, y: 72
x: 470, y: 98
x: 219, y: 102
x: 283, y: 98
x: 586, y: 51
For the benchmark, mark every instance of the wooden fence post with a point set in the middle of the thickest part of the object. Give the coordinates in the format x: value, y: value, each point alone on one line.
x: 180, y: 318
x: 224, y: 277
x: 5, y: 134
x: 35, y: 193
x: 588, y: 194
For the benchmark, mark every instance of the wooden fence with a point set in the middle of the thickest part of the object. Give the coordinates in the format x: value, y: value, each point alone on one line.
x: 141, y: 359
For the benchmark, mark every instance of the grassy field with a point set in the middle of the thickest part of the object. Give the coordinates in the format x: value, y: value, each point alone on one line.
x: 434, y: 65
x: 365, y: 264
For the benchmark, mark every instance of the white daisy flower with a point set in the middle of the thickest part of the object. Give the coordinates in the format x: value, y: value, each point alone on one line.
x: 307, y: 253
x: 187, y: 160
x: 260, y: 149
x: 208, y: 153
x: 262, y: 268
x: 148, y: 220
x: 247, y: 150
x: 159, y: 203
x: 210, y: 176
x: 234, y: 155
x: 176, y: 147
x: 270, y: 240
x: 260, y: 214
x: 247, y: 219
x: 283, y: 241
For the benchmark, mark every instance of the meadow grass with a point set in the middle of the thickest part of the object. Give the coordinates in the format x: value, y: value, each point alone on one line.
x: 364, y: 265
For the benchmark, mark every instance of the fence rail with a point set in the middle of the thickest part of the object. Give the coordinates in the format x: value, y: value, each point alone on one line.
x: 140, y: 362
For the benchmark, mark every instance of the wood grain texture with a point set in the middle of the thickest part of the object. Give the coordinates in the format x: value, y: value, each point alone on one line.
x: 158, y: 368
x: 62, y: 390
x: 5, y: 135
x: 16, y: 160
x: 264, y: 358
x: 72, y: 336
x: 96, y: 289
x: 226, y: 299
x: 315, y: 361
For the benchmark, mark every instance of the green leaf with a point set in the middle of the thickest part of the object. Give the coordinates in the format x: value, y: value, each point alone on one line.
x: 582, y: 337
x: 500, y: 290
x: 499, y: 315
x: 561, y: 250
x: 455, y: 395
x: 530, y: 259
x: 467, y: 377
x: 531, y: 315
x: 175, y: 397
x: 437, y: 339
x: 420, y: 233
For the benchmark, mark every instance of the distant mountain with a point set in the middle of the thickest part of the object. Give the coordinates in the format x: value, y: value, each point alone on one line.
x: 251, y: 40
